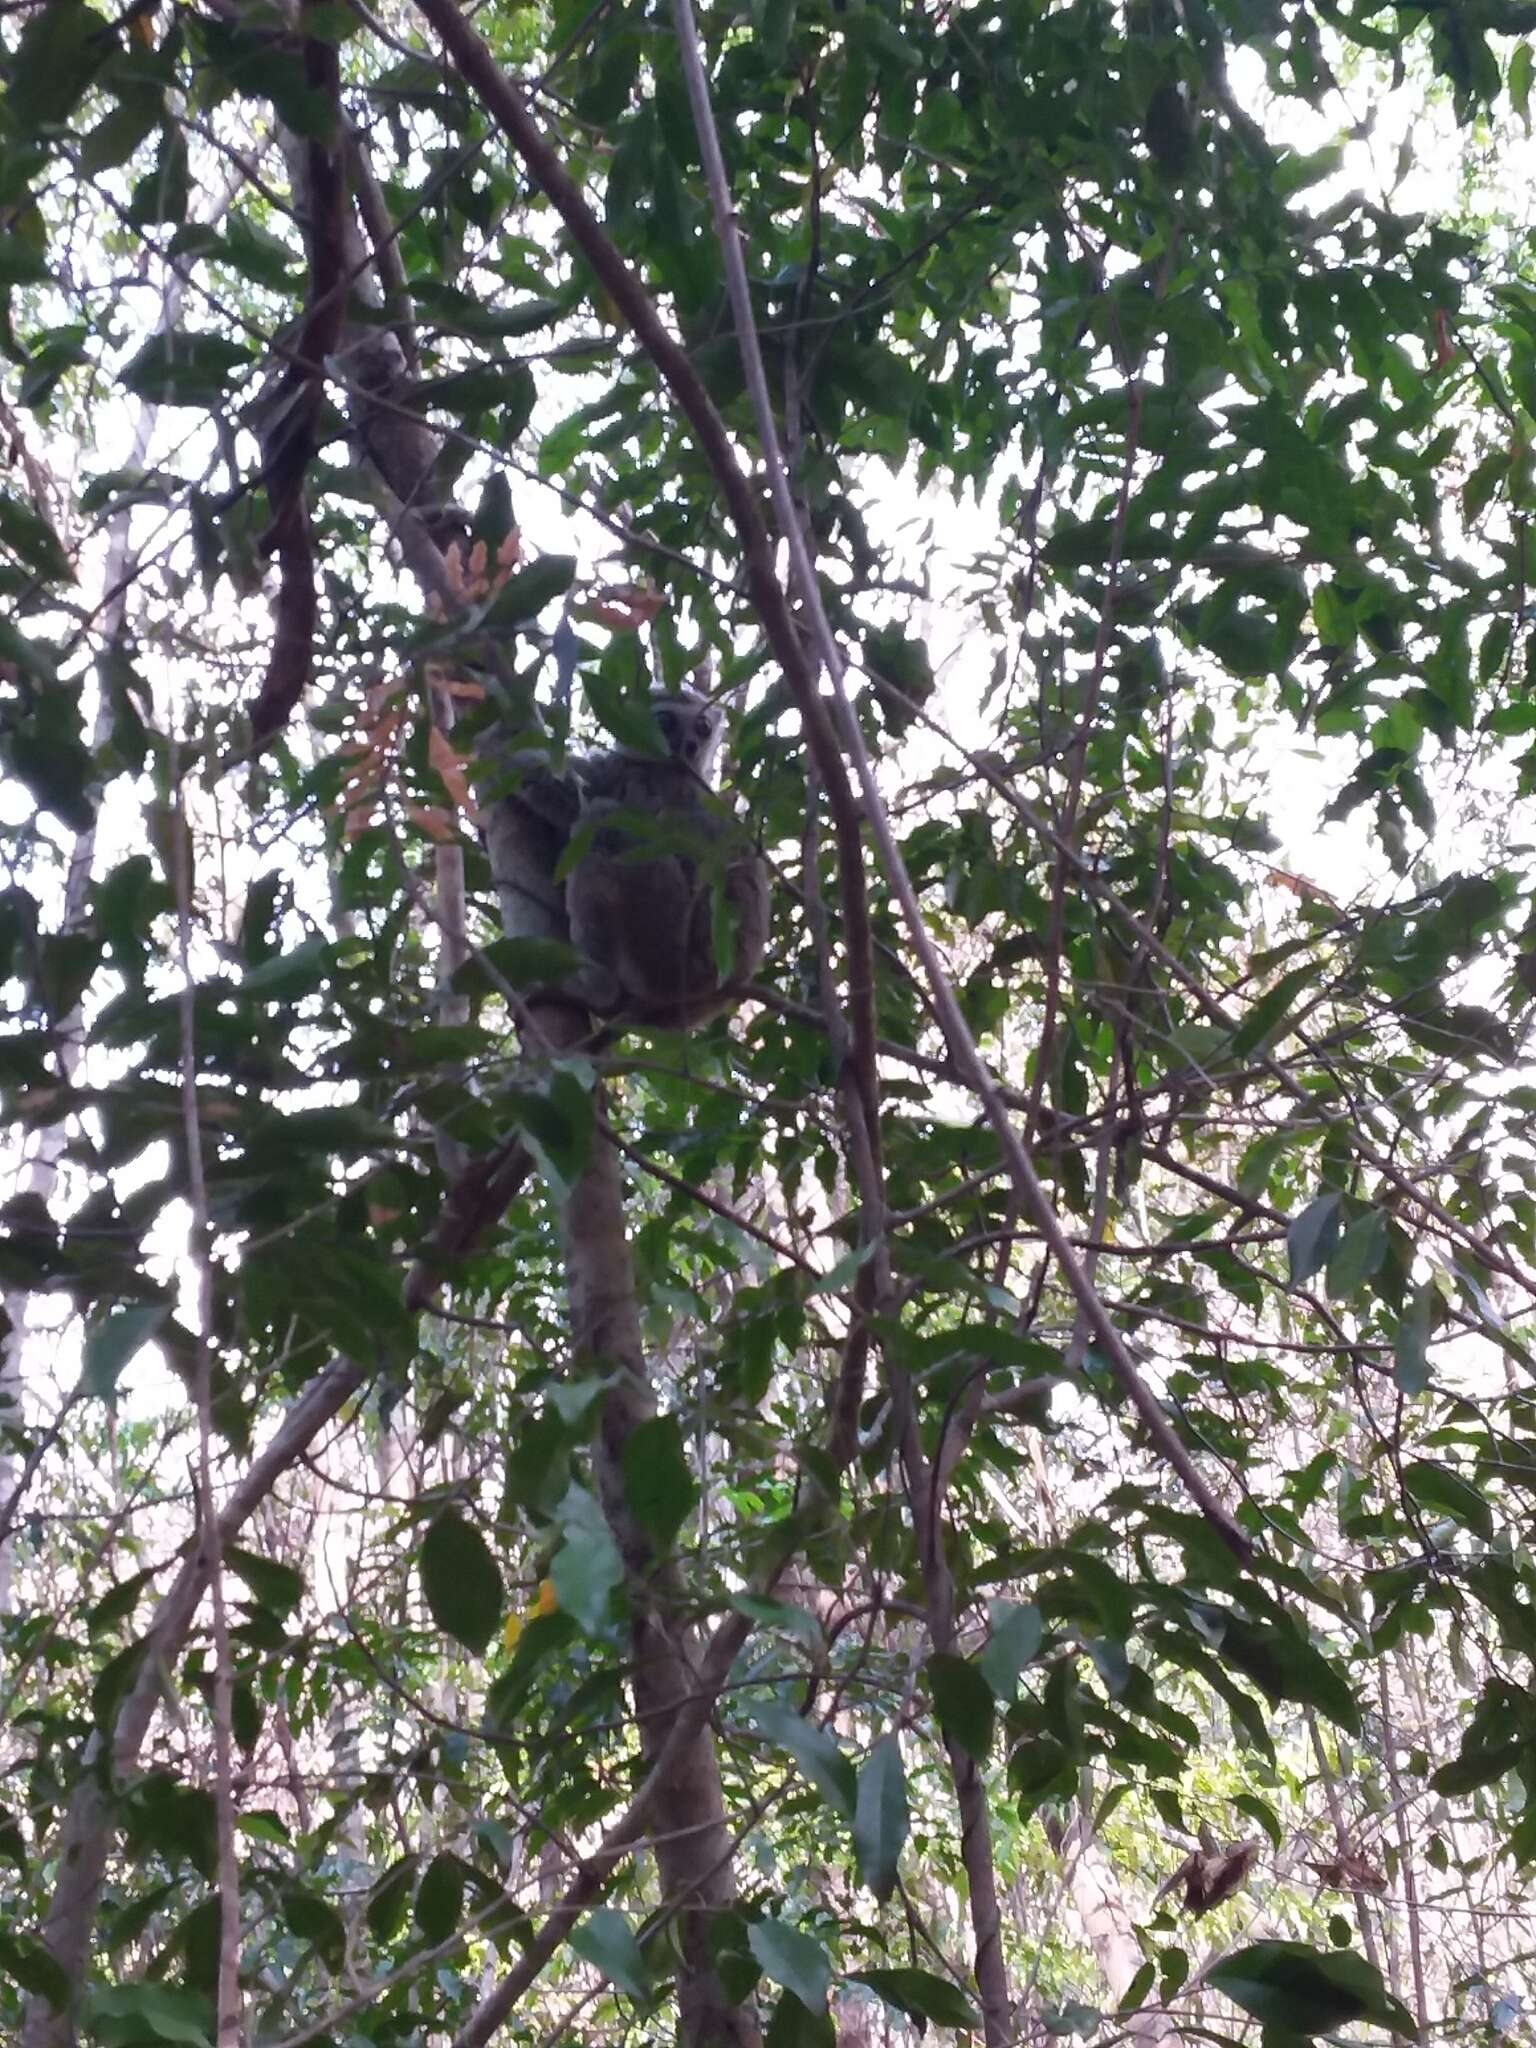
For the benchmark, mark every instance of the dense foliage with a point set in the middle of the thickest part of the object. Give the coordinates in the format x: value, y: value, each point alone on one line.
x: 1024, y: 1578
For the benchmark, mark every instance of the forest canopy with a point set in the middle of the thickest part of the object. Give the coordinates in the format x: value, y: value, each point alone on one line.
x: 973, y: 1478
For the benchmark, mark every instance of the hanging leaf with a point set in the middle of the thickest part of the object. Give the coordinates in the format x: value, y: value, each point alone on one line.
x: 440, y: 1897
x: 185, y: 368
x: 880, y: 1817
x: 1308, y: 1991
x: 1444, y: 1492
x: 606, y: 1940
x: 920, y: 1996
x: 461, y: 1581
x: 659, y: 1486
x: 962, y: 1699
x: 815, y: 1750
x: 1310, y: 1240
x: 149, y: 2013
x: 586, y: 1570
x: 1014, y: 1638
x: 793, y: 1960
x: 112, y: 1345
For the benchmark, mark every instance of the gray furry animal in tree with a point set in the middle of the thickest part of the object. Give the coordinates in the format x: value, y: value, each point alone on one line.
x: 667, y: 898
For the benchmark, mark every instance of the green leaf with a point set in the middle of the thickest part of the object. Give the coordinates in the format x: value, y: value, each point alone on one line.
x: 920, y: 1996
x: 440, y: 1897
x: 606, y: 1941
x: 586, y: 1570
x: 1358, y: 1255
x: 1014, y: 1636
x: 793, y: 1960
x: 1281, y: 1660
x: 1260, y: 1810
x: 32, y: 539
x: 1522, y: 66
x: 272, y: 1583
x: 139, y: 2014
x: 794, y: 2025
x: 1267, y: 1020
x: 880, y: 1817
x: 312, y: 1917
x: 815, y: 1749
x: 521, y: 963
x: 58, y: 52
x: 114, y: 1343
x: 1410, y: 1368
x: 461, y: 1582
x: 963, y: 1701
x: 36, y: 1969
x: 1310, y: 1239
x: 1307, y: 1991
x: 289, y: 975
x: 526, y: 592
x: 1445, y: 1492
x: 180, y: 367
x: 659, y: 1486
x: 389, y: 1901
x: 1136, y: 1991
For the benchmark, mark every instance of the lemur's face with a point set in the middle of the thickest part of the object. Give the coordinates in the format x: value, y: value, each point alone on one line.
x: 692, y: 729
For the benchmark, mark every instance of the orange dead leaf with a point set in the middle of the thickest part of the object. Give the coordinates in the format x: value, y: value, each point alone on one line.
x: 1349, y: 1871
x: 1299, y: 885
x: 431, y: 819
x: 450, y: 769
x: 624, y: 607
x: 1210, y: 1874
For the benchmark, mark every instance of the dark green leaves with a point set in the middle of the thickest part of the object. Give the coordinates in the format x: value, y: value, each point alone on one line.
x: 113, y: 1342
x: 59, y: 50
x: 526, y: 591
x: 921, y: 1996
x: 142, y: 2014
x: 792, y: 1959
x: 273, y: 1584
x: 587, y: 1570
x: 880, y: 1817
x: 185, y: 368
x: 1444, y: 1492
x: 817, y: 1752
x: 1308, y: 1991
x: 1013, y: 1642
x: 1310, y: 1240
x: 606, y: 1941
x: 389, y: 1901
x: 1282, y: 1661
x: 963, y: 1701
x: 440, y: 1897
x: 460, y: 1580
x: 659, y: 1487
x: 37, y: 1971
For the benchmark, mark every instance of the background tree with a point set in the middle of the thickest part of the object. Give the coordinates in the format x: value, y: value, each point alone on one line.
x: 891, y: 1508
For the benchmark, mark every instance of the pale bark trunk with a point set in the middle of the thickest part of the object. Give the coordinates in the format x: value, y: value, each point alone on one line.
x: 1098, y: 1899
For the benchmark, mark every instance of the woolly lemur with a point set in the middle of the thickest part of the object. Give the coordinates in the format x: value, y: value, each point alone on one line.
x: 665, y: 898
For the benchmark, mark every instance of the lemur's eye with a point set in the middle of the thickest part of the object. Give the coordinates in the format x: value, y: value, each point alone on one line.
x: 701, y: 725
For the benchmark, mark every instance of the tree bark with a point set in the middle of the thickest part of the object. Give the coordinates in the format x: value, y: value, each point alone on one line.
x: 694, y: 1849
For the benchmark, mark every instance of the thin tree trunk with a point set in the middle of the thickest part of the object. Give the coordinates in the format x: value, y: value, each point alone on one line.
x: 1099, y: 1902
x: 694, y: 1849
